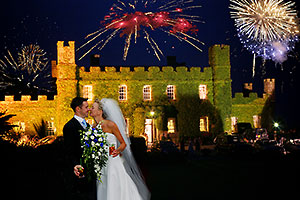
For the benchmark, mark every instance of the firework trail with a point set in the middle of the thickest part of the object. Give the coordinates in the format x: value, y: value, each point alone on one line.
x: 27, y: 74
x: 267, y: 28
x: 136, y: 18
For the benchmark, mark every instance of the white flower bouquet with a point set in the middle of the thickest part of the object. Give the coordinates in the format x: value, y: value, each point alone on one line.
x: 95, y: 151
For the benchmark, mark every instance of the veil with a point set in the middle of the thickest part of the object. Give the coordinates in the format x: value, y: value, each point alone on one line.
x: 113, y: 112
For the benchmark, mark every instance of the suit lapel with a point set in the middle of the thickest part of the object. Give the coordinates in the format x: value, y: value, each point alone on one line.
x: 77, y: 124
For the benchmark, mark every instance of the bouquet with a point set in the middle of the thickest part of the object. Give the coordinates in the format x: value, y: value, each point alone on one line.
x: 95, y: 150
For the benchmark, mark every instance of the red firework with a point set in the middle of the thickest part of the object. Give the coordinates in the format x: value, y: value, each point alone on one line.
x: 169, y: 19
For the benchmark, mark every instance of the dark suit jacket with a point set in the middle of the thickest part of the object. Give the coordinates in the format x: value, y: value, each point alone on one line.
x: 75, y: 188
x: 72, y: 142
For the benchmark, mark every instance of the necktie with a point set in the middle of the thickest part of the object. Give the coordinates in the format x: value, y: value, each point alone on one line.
x: 84, y: 123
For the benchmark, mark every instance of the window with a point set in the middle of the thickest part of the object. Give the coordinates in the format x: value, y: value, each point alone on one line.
x: 123, y: 93
x: 149, y: 129
x: 51, y: 128
x: 147, y: 90
x: 257, y: 121
x: 203, y: 91
x: 88, y: 92
x: 234, y: 124
x: 171, y: 92
x: 171, y: 125
x: 20, y: 126
x: 204, y: 124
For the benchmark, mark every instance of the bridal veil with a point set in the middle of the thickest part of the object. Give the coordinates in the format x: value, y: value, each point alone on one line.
x: 113, y: 112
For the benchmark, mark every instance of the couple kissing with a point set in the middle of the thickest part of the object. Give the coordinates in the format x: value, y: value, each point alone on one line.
x: 121, y: 178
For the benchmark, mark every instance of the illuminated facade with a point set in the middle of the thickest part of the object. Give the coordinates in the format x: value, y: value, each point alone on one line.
x: 155, y: 100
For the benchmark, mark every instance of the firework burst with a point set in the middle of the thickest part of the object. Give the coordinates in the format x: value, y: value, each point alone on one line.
x: 28, y: 74
x: 132, y: 19
x: 267, y: 28
x: 32, y: 58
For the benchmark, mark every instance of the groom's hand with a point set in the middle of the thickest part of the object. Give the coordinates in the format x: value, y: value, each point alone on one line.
x: 78, y: 171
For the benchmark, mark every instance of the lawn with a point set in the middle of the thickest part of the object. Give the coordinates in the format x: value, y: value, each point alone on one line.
x: 39, y: 174
x: 224, y: 178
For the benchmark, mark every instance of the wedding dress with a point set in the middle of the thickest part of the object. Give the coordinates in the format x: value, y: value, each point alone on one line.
x: 121, y: 178
x: 116, y: 183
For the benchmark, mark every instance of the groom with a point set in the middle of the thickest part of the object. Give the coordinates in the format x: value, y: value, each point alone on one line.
x: 77, y: 186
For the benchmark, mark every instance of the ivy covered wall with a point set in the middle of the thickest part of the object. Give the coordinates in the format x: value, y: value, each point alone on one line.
x: 187, y: 109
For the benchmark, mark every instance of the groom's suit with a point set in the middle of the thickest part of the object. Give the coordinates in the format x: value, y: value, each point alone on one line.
x: 76, y: 188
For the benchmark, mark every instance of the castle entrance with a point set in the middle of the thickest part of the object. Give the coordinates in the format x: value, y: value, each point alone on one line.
x: 149, y: 130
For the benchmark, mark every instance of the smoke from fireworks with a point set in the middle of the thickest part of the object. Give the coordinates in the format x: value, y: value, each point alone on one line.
x: 267, y: 28
x: 28, y: 74
x: 139, y: 17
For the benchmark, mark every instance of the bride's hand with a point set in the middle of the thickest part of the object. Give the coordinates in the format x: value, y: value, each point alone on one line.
x: 115, y: 153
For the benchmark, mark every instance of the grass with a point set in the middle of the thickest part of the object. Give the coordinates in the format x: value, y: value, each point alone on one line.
x: 219, y: 178
x: 39, y: 174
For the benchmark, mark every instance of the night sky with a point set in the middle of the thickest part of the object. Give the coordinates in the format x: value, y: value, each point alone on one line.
x: 45, y: 22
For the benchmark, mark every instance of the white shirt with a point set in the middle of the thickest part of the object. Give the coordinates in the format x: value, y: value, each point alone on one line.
x: 80, y: 120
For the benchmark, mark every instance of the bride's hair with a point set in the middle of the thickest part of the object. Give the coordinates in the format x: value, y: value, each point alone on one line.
x: 100, y: 107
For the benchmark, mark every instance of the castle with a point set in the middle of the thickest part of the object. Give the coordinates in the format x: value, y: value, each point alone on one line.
x: 155, y: 101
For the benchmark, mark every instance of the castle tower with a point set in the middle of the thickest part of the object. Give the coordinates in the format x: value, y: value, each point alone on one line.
x: 269, y: 86
x: 247, y: 89
x: 248, y: 86
x: 65, y: 72
x: 219, y: 60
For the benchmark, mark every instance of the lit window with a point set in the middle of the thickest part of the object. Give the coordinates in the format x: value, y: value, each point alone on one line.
x: 51, y: 128
x: 123, y: 93
x: 234, y: 124
x: 20, y: 126
x: 203, y: 124
x: 149, y: 129
x: 147, y: 90
x: 171, y: 125
x: 88, y: 92
x: 203, y: 91
x: 171, y: 92
x: 257, y: 121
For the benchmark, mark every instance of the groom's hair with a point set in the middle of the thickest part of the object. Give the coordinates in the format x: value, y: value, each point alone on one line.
x: 77, y: 101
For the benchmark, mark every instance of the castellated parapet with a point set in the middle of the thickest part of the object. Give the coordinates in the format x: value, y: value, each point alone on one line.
x: 147, y: 73
x: 30, y: 111
x: 248, y: 86
x: 70, y: 82
x: 65, y: 54
x: 26, y: 98
x: 269, y: 86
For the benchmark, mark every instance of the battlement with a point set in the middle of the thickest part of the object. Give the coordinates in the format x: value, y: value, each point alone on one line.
x: 65, y: 54
x: 269, y: 86
x: 153, y: 72
x: 239, y: 98
x: 219, y: 55
x: 248, y: 86
x: 269, y: 80
x: 26, y: 98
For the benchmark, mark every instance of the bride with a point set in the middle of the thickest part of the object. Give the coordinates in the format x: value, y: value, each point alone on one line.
x: 121, y: 178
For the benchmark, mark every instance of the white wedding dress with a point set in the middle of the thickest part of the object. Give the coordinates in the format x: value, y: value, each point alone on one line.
x: 116, y: 183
